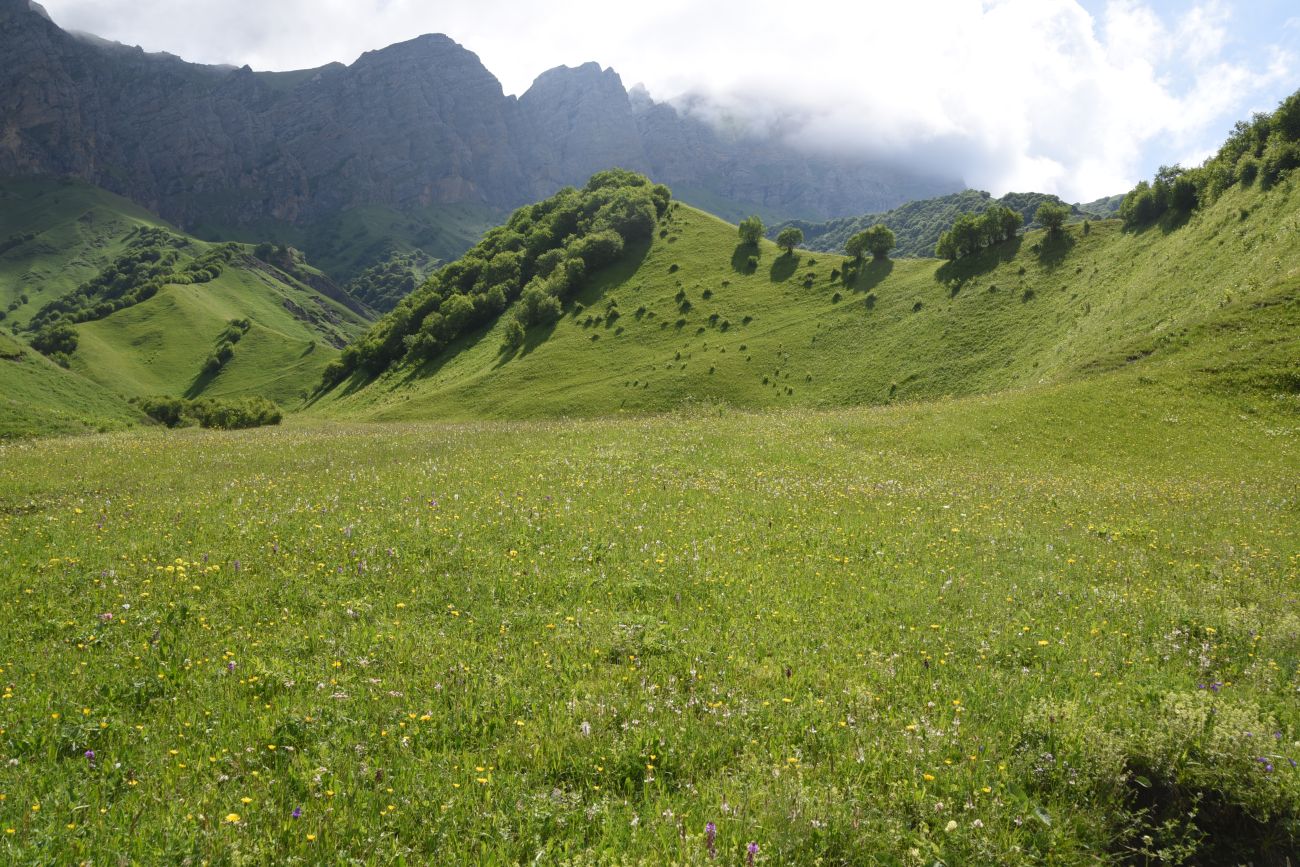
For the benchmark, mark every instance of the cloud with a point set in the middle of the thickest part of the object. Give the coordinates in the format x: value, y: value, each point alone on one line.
x: 1010, y: 94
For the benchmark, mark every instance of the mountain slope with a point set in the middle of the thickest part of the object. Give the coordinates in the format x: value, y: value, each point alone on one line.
x: 1029, y: 311
x: 37, y: 397
x: 54, y: 236
x: 147, y: 306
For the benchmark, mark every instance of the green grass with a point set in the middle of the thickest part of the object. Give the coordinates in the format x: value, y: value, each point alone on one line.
x: 980, y: 630
x: 37, y: 397
x: 1031, y: 311
x: 78, y: 229
x: 159, y: 347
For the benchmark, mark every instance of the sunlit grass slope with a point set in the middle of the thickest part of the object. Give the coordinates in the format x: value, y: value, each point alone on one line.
x: 159, y: 347
x: 38, y: 397
x: 56, y: 234
x: 685, y: 320
x: 1056, y: 625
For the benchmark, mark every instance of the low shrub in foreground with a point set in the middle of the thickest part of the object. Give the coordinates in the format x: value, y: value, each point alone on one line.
x: 246, y: 412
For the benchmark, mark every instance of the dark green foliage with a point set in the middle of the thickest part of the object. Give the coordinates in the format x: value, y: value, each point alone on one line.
x: 1052, y: 217
x: 513, y: 337
x: 1264, y: 149
x: 879, y: 240
x: 751, y: 230
x: 383, y: 285
x: 237, y: 414
x: 56, y: 339
x: 789, y: 238
x: 917, y: 226
x: 537, y: 261
x: 972, y: 233
x: 225, y: 349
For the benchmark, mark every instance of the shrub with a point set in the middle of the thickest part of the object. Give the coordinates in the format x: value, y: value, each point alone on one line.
x: 513, y: 337
x: 239, y: 413
x: 59, y: 338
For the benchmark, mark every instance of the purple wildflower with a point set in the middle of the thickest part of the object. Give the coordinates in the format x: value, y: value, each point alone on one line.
x: 297, y: 812
x: 90, y: 756
x: 751, y: 852
x: 710, y: 837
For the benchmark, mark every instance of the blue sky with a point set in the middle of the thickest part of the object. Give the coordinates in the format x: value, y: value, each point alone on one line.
x: 1077, y: 97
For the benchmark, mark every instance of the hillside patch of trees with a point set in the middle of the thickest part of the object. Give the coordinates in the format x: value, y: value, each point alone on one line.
x: 536, y: 262
x: 1264, y: 150
x: 972, y: 233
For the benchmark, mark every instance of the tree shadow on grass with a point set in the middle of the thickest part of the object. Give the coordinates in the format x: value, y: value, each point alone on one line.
x: 968, y: 267
x: 784, y: 267
x: 1054, y: 248
x: 200, y: 384
x: 740, y: 258
x: 866, y: 276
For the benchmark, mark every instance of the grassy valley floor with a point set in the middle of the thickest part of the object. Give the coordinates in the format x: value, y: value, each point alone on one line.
x: 1056, y: 626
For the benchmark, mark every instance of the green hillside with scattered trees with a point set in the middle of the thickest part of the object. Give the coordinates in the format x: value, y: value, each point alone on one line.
x: 919, y: 225
x: 695, y: 314
x: 138, y: 309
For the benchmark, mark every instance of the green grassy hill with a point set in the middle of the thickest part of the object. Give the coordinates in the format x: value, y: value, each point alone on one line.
x: 55, y: 235
x: 66, y: 236
x: 37, y: 397
x: 680, y: 320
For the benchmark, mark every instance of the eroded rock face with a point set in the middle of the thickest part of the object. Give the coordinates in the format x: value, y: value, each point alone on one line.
x: 418, y: 123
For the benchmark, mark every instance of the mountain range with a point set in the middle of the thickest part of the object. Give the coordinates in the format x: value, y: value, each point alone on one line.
x: 418, y: 125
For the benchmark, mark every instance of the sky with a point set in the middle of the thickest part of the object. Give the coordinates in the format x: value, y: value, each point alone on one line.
x: 1081, y: 98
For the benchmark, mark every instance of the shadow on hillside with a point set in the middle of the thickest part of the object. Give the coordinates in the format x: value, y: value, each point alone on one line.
x: 200, y: 384
x: 740, y: 258
x: 1053, y: 249
x: 868, y: 275
x: 969, y: 267
x: 784, y: 267
x: 355, y: 382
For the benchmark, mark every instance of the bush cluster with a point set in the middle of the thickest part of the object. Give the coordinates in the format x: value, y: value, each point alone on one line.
x: 536, y: 261
x: 973, y: 232
x: 1263, y: 150
x: 233, y: 414
x: 225, y: 349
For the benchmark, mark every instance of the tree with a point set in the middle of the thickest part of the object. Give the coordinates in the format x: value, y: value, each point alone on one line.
x: 856, y: 246
x: 789, y: 238
x: 513, y: 337
x: 751, y: 230
x: 1052, y: 216
x: 880, y: 240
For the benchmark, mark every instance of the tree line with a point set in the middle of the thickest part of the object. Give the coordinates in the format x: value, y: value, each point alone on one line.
x: 1263, y: 150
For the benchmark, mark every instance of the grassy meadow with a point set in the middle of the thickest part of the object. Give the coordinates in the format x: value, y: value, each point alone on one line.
x: 1060, y: 625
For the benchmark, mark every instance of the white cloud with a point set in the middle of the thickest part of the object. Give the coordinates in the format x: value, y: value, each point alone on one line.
x: 1010, y: 94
